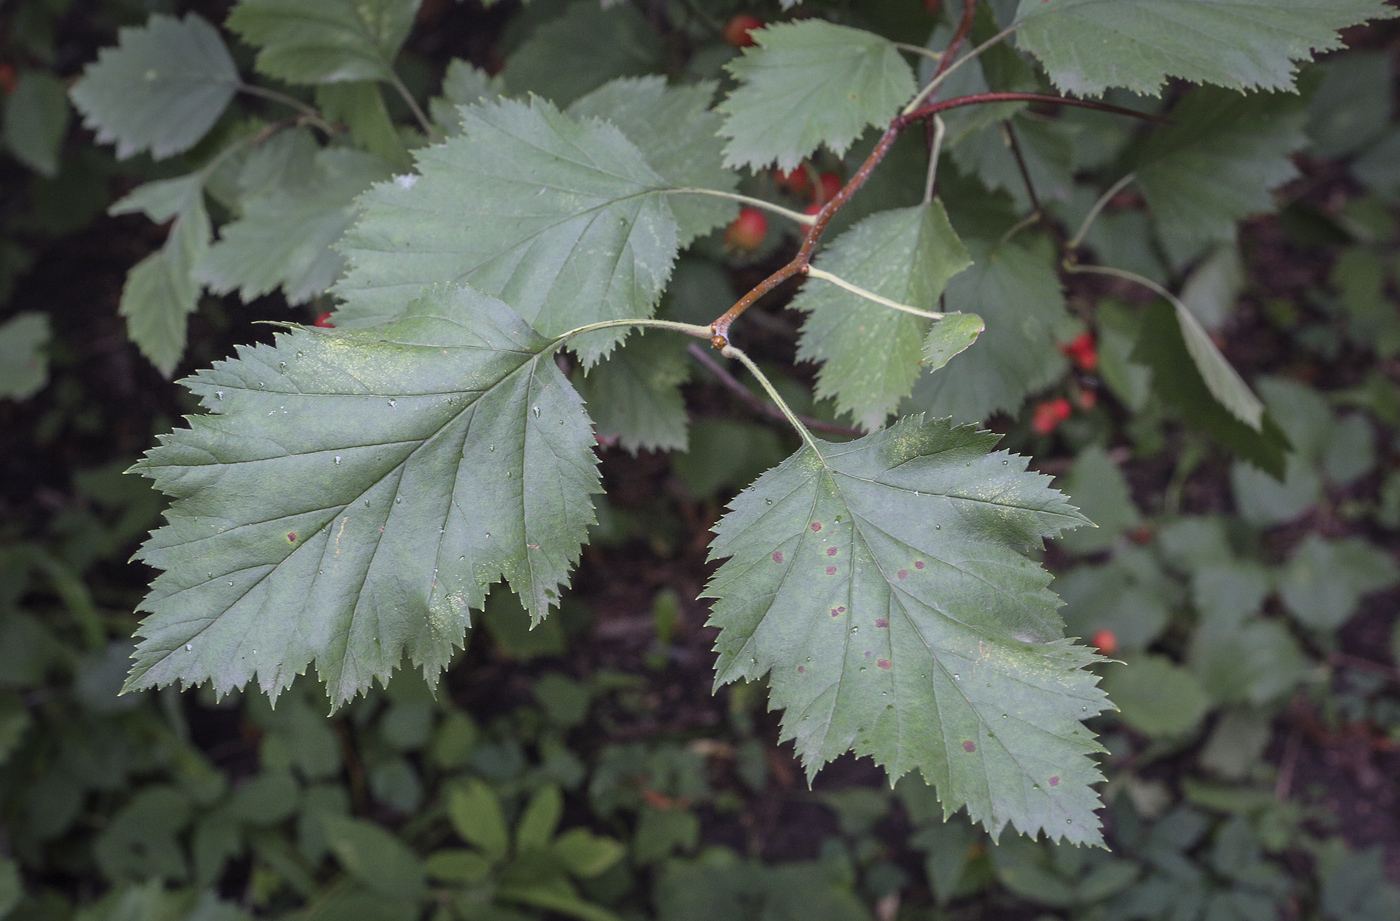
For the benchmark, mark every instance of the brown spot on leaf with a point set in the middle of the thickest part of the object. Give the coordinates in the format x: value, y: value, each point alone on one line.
x: 778, y: 556
x: 883, y: 663
x: 816, y: 526
x: 830, y: 551
x: 1055, y: 781
x: 903, y: 574
x: 881, y: 622
x: 291, y: 537
x: 801, y: 669
x: 831, y: 570
x: 969, y: 746
x: 835, y: 612
x: 918, y: 564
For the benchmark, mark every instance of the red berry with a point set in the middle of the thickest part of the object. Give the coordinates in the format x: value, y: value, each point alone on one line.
x: 813, y: 208
x: 1083, y: 352
x: 828, y: 184
x: 795, y: 182
x: 747, y: 231
x: 1106, y: 641
x: 1048, y: 414
x: 7, y: 79
x: 325, y: 320
x: 736, y: 32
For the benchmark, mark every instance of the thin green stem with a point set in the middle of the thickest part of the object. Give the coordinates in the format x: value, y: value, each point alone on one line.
x: 932, y: 86
x: 1095, y: 211
x: 840, y: 282
x: 730, y: 351
x: 413, y: 107
x: 1149, y: 284
x: 919, y: 49
x: 310, y: 113
x: 1032, y: 218
x: 806, y: 220
x: 690, y: 329
x: 935, y: 150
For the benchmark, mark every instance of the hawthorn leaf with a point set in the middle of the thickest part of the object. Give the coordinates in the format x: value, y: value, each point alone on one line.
x: 579, y: 51
x: 160, y: 88
x: 324, y: 41
x: 462, y: 85
x: 677, y: 132
x: 1325, y: 580
x: 161, y: 291
x: 352, y: 494
x: 36, y: 120
x: 884, y: 585
x: 285, y: 234
x: 1217, y: 163
x: 635, y: 395
x: 24, y: 360
x: 1088, y: 46
x: 870, y: 353
x: 808, y: 83
x: 563, y: 220
x: 1015, y: 290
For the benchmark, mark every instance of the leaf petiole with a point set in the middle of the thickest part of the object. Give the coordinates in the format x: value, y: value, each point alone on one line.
x: 806, y: 220
x: 730, y: 351
x: 840, y: 282
x: 1095, y: 211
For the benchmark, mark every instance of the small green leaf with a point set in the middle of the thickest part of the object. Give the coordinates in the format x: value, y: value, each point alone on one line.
x: 585, y: 854
x: 869, y: 353
x: 1326, y: 579
x: 36, y: 119
x: 565, y: 221
x: 462, y: 85
x: 1016, y: 291
x: 24, y: 362
x: 635, y: 395
x: 1351, y: 107
x: 540, y: 819
x: 351, y: 494
x: 1096, y: 486
x: 1156, y: 697
x: 359, y: 105
x: 676, y: 131
x: 376, y: 859
x: 951, y: 336
x: 1217, y: 163
x: 590, y: 44
x: 806, y: 84
x: 161, y: 291
x: 1179, y: 380
x: 476, y: 817
x: 1088, y: 46
x: 457, y: 865
x: 1210, y: 291
x: 883, y: 586
x: 160, y: 89
x: 284, y: 236
x: 324, y: 41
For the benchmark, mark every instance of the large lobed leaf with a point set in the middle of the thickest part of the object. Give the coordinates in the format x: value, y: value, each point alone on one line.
x: 324, y: 41
x: 810, y: 83
x: 353, y: 493
x: 885, y: 588
x: 564, y: 220
x: 871, y: 353
x: 161, y: 88
x: 1088, y: 46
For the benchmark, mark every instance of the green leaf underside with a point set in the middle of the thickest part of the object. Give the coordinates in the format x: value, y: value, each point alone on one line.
x: 565, y: 221
x: 161, y: 292
x: 159, y: 89
x: 285, y: 234
x: 462, y: 85
x: 24, y: 362
x: 1177, y: 378
x: 36, y: 120
x: 635, y: 395
x: 1088, y: 46
x: 869, y: 353
x: 806, y: 84
x: 884, y: 587
x: 353, y: 493
x: 579, y: 51
x: 1218, y: 163
x: 677, y: 132
x: 1015, y: 289
x: 324, y: 41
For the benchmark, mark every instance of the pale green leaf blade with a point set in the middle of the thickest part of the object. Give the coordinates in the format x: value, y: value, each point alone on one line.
x: 462, y: 85
x: 24, y: 361
x: 677, y: 132
x: 951, y: 336
x: 870, y: 353
x: 806, y: 84
x: 283, y: 240
x: 352, y: 494
x: 590, y: 44
x: 161, y: 291
x: 1220, y: 377
x: 1217, y: 163
x: 324, y: 41
x: 1088, y: 46
x: 160, y: 89
x: 1016, y: 291
x: 36, y: 119
x: 635, y: 395
x: 883, y: 586
x: 562, y: 220
x: 1326, y: 579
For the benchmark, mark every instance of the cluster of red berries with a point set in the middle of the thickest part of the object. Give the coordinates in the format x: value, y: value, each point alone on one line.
x: 1083, y: 351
